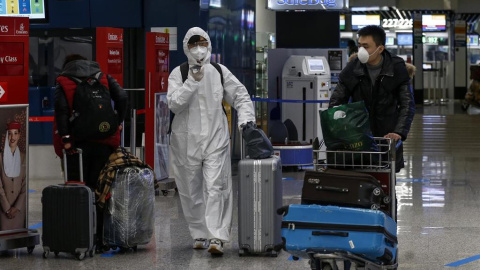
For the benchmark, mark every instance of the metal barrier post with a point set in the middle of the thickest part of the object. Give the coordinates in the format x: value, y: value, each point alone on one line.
x: 133, y: 132
x: 435, y: 87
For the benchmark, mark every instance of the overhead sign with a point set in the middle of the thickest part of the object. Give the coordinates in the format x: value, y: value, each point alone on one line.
x: 306, y: 4
x: 16, y: 8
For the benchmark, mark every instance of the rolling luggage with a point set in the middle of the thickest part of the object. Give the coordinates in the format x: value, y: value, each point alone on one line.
x: 370, y: 234
x: 69, y: 216
x: 260, y: 194
x: 343, y: 188
x: 129, y: 213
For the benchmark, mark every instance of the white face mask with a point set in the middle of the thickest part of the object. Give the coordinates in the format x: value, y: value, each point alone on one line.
x: 199, y: 52
x: 363, y: 55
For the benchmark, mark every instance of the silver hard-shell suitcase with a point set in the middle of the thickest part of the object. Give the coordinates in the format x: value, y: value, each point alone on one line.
x: 260, y: 195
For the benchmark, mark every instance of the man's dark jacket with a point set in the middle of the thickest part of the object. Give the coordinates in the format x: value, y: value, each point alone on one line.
x: 389, y: 102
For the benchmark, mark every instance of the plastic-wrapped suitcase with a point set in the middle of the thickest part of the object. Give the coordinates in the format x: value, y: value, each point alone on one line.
x: 129, y: 213
x: 69, y: 217
x: 343, y: 188
x: 260, y: 194
x: 326, y: 229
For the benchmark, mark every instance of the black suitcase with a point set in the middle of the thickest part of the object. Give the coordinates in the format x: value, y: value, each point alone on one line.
x: 343, y: 188
x: 69, y: 217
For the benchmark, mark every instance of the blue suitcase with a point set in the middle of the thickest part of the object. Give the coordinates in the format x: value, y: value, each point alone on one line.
x: 370, y: 234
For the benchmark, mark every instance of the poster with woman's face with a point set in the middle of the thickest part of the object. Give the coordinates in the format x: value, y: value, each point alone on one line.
x: 13, y: 167
x: 162, y: 123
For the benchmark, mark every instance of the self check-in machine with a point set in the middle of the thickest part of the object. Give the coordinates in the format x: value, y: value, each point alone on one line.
x: 305, y: 78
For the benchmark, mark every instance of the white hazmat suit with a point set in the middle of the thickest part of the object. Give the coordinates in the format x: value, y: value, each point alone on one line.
x: 199, y: 144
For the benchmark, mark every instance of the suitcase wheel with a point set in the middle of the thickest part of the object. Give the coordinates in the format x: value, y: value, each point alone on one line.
x: 30, y: 249
x: 80, y: 256
x: 91, y: 252
x: 134, y: 248
x: 242, y: 252
x: 45, y: 254
x: 56, y: 253
x: 272, y: 253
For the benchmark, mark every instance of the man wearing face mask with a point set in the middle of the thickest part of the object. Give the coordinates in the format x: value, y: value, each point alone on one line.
x: 381, y: 80
x: 199, y: 142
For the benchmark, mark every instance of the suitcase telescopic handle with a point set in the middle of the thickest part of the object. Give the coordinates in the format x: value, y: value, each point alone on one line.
x: 80, y: 161
x: 334, y: 189
x: 332, y: 233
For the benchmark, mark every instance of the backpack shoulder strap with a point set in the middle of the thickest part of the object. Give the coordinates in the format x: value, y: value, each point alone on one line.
x: 184, y: 71
x: 73, y: 78
x: 219, y: 69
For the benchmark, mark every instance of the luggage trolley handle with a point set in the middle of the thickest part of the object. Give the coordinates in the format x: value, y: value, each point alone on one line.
x: 80, y: 161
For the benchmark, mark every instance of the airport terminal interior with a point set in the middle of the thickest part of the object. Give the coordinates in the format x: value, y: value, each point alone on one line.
x: 278, y: 50
x: 437, y: 195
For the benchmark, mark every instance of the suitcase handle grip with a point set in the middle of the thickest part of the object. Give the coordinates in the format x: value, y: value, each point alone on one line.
x: 334, y: 189
x: 80, y: 161
x: 332, y: 233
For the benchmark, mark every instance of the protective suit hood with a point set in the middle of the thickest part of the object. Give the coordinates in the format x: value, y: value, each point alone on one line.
x: 193, y: 32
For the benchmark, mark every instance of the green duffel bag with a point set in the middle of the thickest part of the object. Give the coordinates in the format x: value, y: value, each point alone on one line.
x: 347, y: 128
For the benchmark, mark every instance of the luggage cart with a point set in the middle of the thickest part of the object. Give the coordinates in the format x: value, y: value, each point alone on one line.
x: 379, y: 164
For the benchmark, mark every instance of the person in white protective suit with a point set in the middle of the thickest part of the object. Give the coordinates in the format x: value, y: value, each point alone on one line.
x: 199, y: 143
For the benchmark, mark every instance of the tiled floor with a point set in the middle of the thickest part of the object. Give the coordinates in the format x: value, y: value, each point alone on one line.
x: 438, y: 218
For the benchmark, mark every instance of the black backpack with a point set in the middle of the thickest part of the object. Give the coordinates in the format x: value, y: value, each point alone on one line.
x: 93, y: 116
x: 184, y: 71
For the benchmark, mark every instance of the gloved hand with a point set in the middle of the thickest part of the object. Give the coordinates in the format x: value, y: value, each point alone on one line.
x: 257, y: 144
x: 248, y: 125
x: 196, y: 72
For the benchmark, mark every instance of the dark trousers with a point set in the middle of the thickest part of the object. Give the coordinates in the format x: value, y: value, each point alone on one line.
x: 95, y: 156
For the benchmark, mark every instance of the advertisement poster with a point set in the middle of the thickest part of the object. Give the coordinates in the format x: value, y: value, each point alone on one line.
x: 162, y: 123
x: 13, y: 167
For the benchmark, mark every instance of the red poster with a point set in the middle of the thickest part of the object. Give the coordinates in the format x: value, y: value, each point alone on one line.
x: 162, y: 61
x: 115, y: 61
x: 14, y: 35
x: 156, y: 82
x: 109, y: 51
x: 11, y: 59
